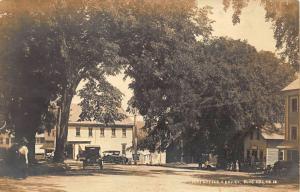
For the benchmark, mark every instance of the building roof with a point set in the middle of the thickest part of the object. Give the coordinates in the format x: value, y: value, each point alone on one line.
x: 75, y: 111
x: 273, y: 132
x: 295, y: 85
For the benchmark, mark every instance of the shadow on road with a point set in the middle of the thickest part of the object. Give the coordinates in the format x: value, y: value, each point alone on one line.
x: 106, y: 171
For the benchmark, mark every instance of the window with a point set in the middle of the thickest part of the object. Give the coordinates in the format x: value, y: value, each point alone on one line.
x: 77, y: 131
x: 257, y: 135
x: 280, y: 155
x: 90, y: 132
x: 124, y: 149
x: 101, y: 132
x: 293, y: 133
x: 124, y: 132
x: 7, y: 141
x: 42, y: 140
x: 113, y: 132
x: 12, y: 140
x: 1, y: 140
x: 294, y: 106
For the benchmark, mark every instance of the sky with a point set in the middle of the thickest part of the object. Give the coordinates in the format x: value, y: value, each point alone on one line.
x: 252, y: 28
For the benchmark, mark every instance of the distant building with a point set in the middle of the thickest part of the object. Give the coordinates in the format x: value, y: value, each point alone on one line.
x: 291, y: 144
x: 261, y: 145
x: 49, y: 144
x: 116, y: 136
x: 155, y: 158
x: 39, y: 142
x: 6, y: 141
x: 145, y: 156
x: 44, y: 143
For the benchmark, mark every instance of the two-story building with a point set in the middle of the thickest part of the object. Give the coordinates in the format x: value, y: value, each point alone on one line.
x: 39, y: 142
x: 292, y: 121
x: 261, y: 145
x: 49, y: 144
x: 116, y: 136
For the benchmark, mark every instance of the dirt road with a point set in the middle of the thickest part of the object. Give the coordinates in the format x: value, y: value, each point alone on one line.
x: 117, y: 178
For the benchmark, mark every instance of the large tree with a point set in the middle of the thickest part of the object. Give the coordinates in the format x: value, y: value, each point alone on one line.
x: 25, y: 55
x: 54, y: 43
x: 90, y: 39
x: 209, y: 92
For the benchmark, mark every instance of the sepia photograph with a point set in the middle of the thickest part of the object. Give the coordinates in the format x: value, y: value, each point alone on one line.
x: 149, y: 96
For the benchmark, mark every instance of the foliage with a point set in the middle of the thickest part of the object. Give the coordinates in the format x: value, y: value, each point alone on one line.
x: 50, y: 47
x: 284, y: 16
x: 153, y: 41
x: 202, y: 90
x: 26, y: 55
x: 85, y: 40
x: 101, y: 102
x: 212, y: 91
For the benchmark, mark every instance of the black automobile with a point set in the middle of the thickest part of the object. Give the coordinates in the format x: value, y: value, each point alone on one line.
x: 114, y: 157
x: 91, y: 157
x: 285, y: 168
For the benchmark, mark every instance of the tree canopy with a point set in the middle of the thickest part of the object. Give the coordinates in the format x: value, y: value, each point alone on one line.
x: 186, y: 83
x: 212, y: 91
x: 61, y: 43
x: 49, y: 47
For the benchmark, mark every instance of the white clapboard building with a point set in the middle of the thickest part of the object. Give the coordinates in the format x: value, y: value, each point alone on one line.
x: 261, y: 145
x: 116, y: 137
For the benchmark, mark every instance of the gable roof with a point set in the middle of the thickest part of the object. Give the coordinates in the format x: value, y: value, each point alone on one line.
x: 270, y: 132
x: 75, y: 111
x: 295, y: 85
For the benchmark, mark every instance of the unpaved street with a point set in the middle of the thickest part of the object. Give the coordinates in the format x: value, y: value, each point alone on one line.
x: 143, y: 179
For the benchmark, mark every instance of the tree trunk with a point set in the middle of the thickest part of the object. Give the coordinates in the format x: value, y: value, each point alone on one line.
x: 62, y: 128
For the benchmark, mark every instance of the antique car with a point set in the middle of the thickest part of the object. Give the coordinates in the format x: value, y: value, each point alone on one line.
x: 285, y: 168
x: 91, y: 157
x: 114, y: 157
